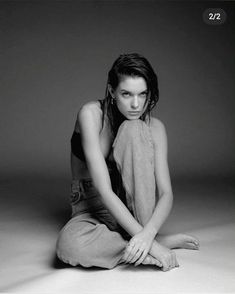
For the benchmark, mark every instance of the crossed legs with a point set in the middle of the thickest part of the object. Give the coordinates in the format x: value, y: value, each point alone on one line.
x: 86, y: 241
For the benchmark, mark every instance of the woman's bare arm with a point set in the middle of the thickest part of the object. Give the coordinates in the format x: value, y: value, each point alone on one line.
x: 90, y: 125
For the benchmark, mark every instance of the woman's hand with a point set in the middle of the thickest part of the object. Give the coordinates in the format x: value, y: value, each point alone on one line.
x: 166, y: 256
x: 138, y: 247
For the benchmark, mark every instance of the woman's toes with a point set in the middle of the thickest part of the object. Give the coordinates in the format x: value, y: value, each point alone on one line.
x: 191, y: 245
x: 196, y: 243
x: 191, y: 239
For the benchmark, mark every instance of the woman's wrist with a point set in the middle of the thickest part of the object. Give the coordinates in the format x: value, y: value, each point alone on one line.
x: 151, y: 230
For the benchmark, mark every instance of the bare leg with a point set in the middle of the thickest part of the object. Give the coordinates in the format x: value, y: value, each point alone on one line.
x: 176, y: 241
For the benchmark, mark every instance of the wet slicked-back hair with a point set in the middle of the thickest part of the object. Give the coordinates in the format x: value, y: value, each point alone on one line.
x: 134, y: 65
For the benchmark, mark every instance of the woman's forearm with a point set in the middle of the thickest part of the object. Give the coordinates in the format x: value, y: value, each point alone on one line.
x: 101, y: 181
x: 160, y: 213
x: 120, y: 212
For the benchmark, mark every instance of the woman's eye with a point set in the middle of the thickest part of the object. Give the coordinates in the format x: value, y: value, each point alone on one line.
x: 143, y: 94
x: 125, y: 94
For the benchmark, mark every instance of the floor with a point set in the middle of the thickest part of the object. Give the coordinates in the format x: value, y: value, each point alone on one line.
x: 34, y: 207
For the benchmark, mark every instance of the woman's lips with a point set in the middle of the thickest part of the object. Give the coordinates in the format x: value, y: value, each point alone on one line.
x: 133, y: 112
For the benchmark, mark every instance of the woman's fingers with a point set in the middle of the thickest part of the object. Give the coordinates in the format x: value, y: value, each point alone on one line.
x: 165, y: 263
x: 176, y: 264
x: 158, y: 263
x: 142, y: 257
x: 165, y: 266
x: 171, y: 262
x: 130, y: 252
x: 136, y: 257
x: 134, y: 252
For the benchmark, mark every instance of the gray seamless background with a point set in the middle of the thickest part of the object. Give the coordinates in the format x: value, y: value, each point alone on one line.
x: 56, y: 57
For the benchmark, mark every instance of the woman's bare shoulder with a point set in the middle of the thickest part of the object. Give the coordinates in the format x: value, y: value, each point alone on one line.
x: 156, y: 125
x: 90, y: 113
x: 158, y: 129
x: 91, y: 106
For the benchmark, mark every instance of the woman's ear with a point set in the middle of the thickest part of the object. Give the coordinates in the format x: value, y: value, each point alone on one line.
x: 110, y: 89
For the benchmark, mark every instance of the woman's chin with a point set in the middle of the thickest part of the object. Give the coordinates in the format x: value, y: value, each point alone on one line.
x: 132, y: 117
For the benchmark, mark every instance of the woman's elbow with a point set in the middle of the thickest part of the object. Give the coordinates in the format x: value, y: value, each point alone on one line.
x: 168, y: 195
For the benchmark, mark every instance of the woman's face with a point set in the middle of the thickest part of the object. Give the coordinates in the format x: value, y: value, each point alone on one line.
x: 130, y: 96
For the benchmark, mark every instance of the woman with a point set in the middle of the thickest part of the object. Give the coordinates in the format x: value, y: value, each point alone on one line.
x: 119, y: 170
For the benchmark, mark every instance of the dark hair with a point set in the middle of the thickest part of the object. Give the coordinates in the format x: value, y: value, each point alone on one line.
x: 135, y: 65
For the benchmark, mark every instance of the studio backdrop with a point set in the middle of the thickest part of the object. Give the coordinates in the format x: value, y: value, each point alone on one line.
x: 56, y: 57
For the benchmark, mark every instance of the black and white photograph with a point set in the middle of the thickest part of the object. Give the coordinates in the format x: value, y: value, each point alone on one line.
x: 117, y: 125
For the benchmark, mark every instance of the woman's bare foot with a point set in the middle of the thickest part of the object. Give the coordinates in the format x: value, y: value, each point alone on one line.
x: 149, y: 260
x: 178, y: 241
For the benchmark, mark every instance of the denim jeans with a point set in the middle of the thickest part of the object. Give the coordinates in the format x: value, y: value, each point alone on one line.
x: 92, y: 237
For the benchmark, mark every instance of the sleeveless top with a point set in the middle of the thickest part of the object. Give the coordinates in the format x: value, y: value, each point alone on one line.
x: 76, y: 146
x: 76, y: 143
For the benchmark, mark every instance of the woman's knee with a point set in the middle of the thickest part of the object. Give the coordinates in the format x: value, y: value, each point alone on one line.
x: 131, y: 128
x: 92, y: 246
x: 71, y: 244
x: 135, y: 133
x: 68, y: 248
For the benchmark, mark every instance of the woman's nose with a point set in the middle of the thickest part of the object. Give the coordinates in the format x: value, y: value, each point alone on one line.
x: 135, y: 102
